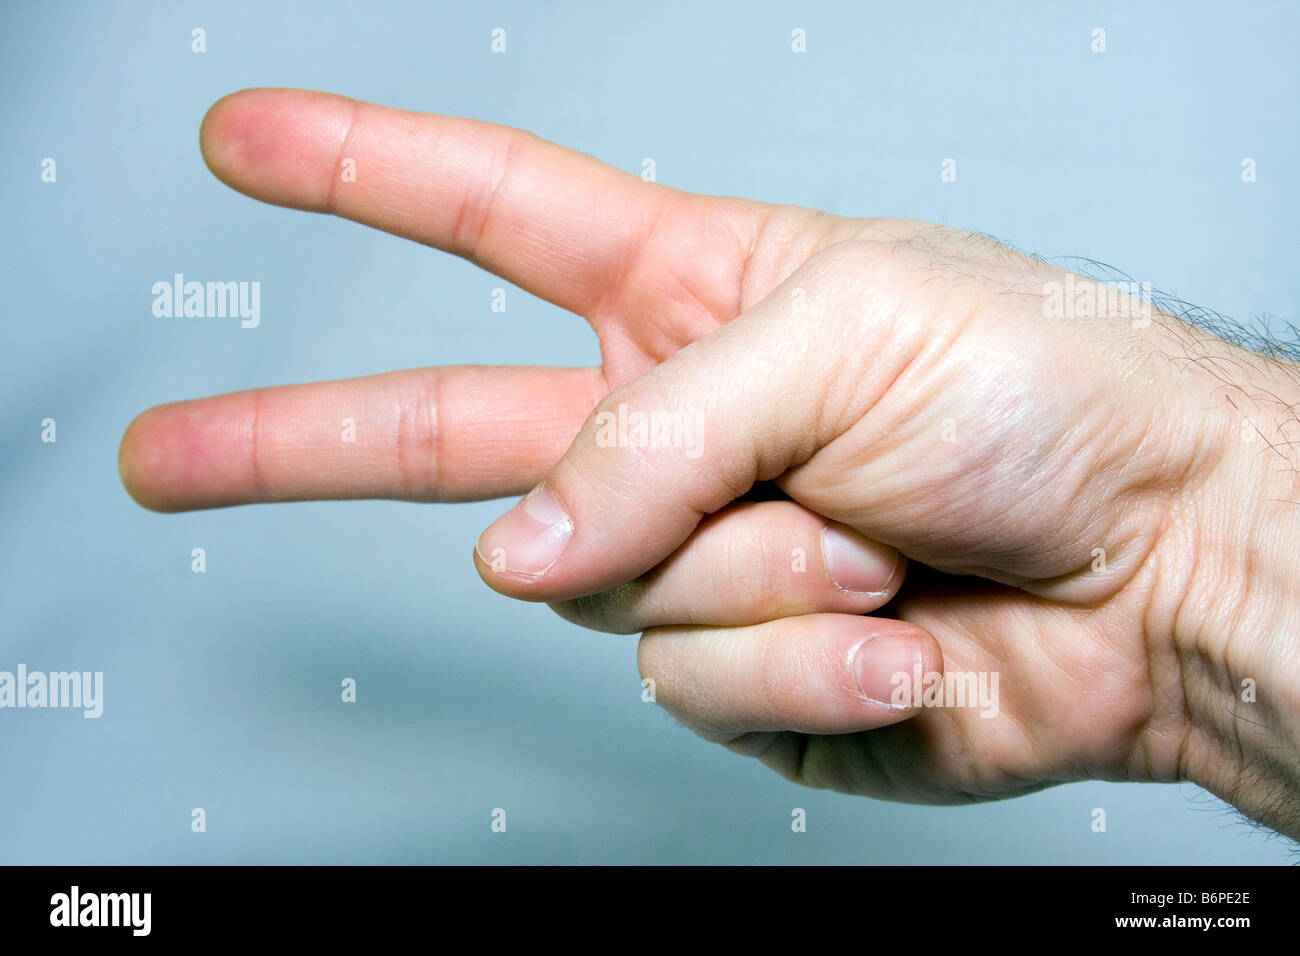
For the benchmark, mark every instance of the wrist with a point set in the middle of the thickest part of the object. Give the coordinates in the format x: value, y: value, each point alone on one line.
x: 1236, y: 625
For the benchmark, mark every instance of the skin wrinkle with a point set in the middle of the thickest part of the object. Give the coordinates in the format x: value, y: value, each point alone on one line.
x: 718, y: 478
x: 665, y: 324
x: 603, y: 307
x: 1048, y: 649
x: 431, y: 406
x: 483, y: 202
x: 1229, y: 654
x: 406, y: 411
x: 770, y: 684
x: 906, y: 368
x: 1101, y: 464
x: 791, y: 247
x: 333, y: 176
x: 747, y: 551
x: 608, y: 313
x: 740, y: 744
x: 758, y: 228
x: 1019, y: 724
x: 1179, y: 506
x: 691, y: 297
x: 255, y: 447
x: 1206, y: 663
x: 593, y: 610
x: 799, y: 773
x: 784, y: 752
x: 827, y: 439
x: 741, y: 223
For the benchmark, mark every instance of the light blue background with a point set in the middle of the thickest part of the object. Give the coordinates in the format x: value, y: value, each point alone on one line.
x: 222, y: 690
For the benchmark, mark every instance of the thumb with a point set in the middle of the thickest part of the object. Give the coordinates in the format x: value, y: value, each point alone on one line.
x: 743, y: 404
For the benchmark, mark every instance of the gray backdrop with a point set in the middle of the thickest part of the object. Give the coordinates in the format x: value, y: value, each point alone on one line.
x: 222, y: 689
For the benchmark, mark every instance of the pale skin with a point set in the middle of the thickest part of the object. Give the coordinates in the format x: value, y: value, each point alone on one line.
x: 1098, y: 510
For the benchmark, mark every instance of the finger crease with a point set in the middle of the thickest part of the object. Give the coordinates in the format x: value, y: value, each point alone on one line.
x: 335, y: 174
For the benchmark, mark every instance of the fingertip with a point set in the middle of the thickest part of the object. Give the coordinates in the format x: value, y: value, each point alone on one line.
x: 216, y: 132
x: 892, y: 663
x: 270, y: 143
x: 825, y: 673
x: 858, y: 565
x: 137, y: 464
x: 517, y: 552
x: 187, y: 455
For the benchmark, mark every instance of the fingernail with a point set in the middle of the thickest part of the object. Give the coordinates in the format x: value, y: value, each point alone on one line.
x: 856, y: 563
x: 529, y: 538
x: 878, y: 665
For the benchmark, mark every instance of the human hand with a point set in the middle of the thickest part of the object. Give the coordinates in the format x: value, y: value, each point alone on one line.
x: 650, y: 267
x: 1107, y: 502
x: 654, y: 269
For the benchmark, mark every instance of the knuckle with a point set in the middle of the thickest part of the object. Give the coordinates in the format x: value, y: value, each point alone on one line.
x: 848, y: 258
x: 418, y: 448
x: 776, y: 674
x: 655, y: 660
x: 754, y: 576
